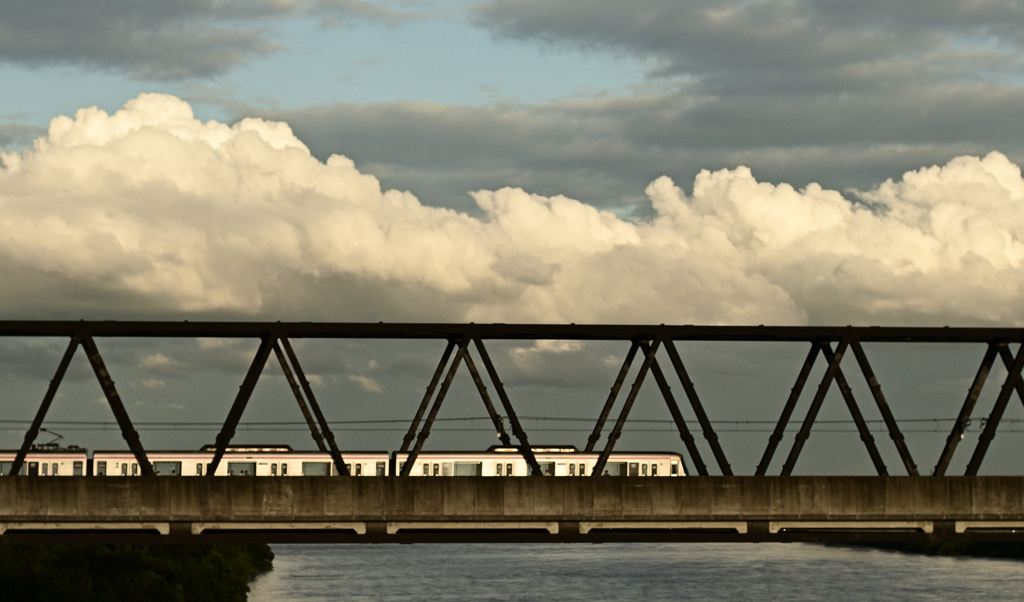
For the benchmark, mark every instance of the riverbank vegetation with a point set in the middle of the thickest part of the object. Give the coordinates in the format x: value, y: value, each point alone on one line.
x: 112, y: 573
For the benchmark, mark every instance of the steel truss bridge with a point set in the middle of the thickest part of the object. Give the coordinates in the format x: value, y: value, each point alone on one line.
x: 728, y: 507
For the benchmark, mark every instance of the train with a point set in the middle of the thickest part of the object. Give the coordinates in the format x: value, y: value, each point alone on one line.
x: 283, y: 461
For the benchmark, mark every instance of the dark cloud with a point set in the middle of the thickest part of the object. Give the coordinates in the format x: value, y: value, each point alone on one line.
x: 167, y: 40
x: 605, y: 152
x: 18, y: 134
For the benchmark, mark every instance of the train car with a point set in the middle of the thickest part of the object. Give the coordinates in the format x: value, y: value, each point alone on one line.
x: 242, y: 460
x: 561, y: 461
x: 46, y: 461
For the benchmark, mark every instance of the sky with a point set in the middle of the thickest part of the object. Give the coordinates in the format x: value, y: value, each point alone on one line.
x: 707, y: 162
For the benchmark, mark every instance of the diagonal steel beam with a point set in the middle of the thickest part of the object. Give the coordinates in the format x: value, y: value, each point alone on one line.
x: 812, y: 412
x: 517, y: 428
x: 241, y: 400
x: 624, y: 413
x: 677, y: 416
x: 858, y: 418
x: 698, y: 409
x: 325, y: 429
x: 499, y: 428
x: 116, y: 406
x: 313, y: 429
x: 409, y: 436
x: 1007, y: 357
x: 435, y: 408
x: 787, y: 410
x: 1009, y: 385
x: 37, y: 422
x: 957, y: 434
x: 607, y: 409
x: 883, y: 407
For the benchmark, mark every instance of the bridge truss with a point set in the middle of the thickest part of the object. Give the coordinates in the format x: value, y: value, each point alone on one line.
x: 645, y: 341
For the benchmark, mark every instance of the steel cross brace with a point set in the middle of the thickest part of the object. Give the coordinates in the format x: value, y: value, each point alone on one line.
x: 37, y: 422
x: 630, y: 399
x: 1013, y: 378
x: 241, y: 400
x: 325, y: 429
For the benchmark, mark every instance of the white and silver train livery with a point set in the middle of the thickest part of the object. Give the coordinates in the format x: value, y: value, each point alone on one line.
x: 562, y: 461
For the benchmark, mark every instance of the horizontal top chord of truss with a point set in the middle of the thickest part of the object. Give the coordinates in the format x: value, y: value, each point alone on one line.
x: 609, y: 332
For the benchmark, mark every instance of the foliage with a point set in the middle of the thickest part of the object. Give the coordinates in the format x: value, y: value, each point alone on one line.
x: 111, y: 573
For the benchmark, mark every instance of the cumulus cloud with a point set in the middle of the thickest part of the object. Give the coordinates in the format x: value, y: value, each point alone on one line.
x: 149, y: 211
x: 167, y: 40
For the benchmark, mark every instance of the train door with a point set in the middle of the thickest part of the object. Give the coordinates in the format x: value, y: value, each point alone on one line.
x: 634, y: 469
x: 76, y: 468
x: 547, y: 468
x: 382, y: 469
x: 33, y: 469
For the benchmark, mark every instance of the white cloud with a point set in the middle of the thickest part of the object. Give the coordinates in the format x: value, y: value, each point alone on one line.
x: 368, y: 384
x: 153, y: 383
x: 151, y: 211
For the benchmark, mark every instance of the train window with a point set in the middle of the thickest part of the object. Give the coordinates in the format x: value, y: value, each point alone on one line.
x: 643, y: 470
x: 316, y: 469
x: 614, y: 469
x: 401, y: 467
x: 348, y: 469
x: 241, y: 469
x: 508, y: 469
x: 124, y: 469
x: 33, y: 469
x: 675, y: 469
x: 572, y: 470
x: 634, y: 469
x: 447, y: 469
x: 381, y: 468
x: 497, y: 468
x: 583, y: 469
x: 101, y: 469
x: 45, y: 466
x: 76, y: 468
x: 437, y: 469
x: 273, y: 470
x: 547, y: 468
x: 359, y: 470
x: 199, y: 469
x: 284, y: 469
x: 468, y: 469
x: 426, y: 469
x: 167, y: 469
x: 135, y: 469
x: 54, y: 471
x: 654, y: 470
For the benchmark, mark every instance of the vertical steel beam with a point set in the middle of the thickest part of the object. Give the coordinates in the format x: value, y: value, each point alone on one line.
x: 241, y: 400
x: 409, y: 436
x: 883, y: 407
x: 858, y: 418
x: 812, y: 412
x: 517, y: 428
x: 607, y: 409
x: 116, y: 406
x: 965, y: 411
x: 499, y: 428
x: 787, y: 410
x: 617, y: 431
x: 1009, y: 385
x: 677, y: 416
x: 325, y: 429
x: 435, y: 408
x: 37, y: 422
x: 313, y: 430
x: 698, y: 409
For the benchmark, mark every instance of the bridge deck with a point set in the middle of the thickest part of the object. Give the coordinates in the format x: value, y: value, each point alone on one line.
x: 407, y: 510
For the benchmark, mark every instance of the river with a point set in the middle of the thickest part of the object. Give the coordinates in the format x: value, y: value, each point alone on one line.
x: 648, y: 572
